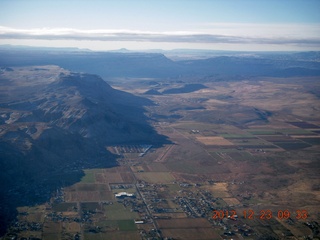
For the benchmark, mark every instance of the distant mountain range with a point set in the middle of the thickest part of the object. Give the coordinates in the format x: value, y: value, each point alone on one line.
x: 124, y: 63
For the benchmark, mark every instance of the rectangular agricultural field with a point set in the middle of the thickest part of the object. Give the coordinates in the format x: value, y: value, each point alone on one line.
x: 92, y: 196
x: 88, y: 178
x: 127, y: 177
x: 91, y: 206
x: 313, y: 141
x: 219, y: 203
x: 215, y: 148
x: 241, y: 155
x: 88, y: 196
x: 130, y: 235
x: 231, y: 201
x: 304, y: 125
x: 223, y: 150
x: 52, y: 227
x: 138, y: 168
x: 127, y: 225
x: 258, y: 146
x: 35, y: 217
x: 155, y: 177
x: 264, y: 131
x: 216, y: 156
x: 231, y: 135
x: 293, y: 145
x: 110, y: 170
x: 31, y: 209
x: 191, y: 233
x: 157, y: 167
x: 219, y: 141
x: 92, y: 236
x: 89, y: 175
x: 184, y: 223
x: 64, y: 207
x: 106, y: 196
x: 72, y: 227
x: 218, y: 190
x: 248, y: 141
x: 173, y: 188
x: 117, y: 211
x: 108, y: 225
x: 50, y: 236
x: 26, y: 234
x: 296, y: 131
x: 108, y: 177
x: 178, y: 214
x: 278, y: 138
x: 91, y: 187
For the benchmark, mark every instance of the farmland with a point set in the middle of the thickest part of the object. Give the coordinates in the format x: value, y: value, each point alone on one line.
x: 256, y: 150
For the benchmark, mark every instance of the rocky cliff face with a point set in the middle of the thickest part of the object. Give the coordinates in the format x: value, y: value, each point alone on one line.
x: 53, y: 123
x: 34, y: 100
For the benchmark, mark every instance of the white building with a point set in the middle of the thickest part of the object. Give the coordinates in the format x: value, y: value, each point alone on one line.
x: 124, y: 194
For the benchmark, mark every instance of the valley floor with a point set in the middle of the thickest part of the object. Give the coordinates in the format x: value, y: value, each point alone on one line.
x: 243, y: 164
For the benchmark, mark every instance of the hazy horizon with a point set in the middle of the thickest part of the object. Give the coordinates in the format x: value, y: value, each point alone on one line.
x: 141, y: 25
x: 154, y: 50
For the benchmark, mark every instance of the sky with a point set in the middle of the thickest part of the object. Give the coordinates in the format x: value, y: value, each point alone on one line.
x: 240, y: 25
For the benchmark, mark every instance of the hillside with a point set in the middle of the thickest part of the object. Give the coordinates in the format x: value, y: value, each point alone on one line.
x: 55, y: 123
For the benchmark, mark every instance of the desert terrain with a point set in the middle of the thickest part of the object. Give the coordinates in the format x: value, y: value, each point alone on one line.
x: 242, y: 162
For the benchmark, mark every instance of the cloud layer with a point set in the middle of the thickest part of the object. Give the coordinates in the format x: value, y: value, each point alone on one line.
x: 222, y: 33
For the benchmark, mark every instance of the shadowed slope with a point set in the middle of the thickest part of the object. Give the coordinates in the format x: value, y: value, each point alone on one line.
x: 55, y: 123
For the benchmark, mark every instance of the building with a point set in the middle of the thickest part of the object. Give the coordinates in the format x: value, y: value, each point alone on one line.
x: 138, y: 221
x: 124, y: 194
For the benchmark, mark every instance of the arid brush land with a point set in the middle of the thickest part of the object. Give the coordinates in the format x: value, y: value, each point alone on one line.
x: 220, y: 148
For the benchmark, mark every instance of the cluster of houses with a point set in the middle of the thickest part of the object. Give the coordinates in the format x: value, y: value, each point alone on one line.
x: 141, y: 149
x: 19, y: 226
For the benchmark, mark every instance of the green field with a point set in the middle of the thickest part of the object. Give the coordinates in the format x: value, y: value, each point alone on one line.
x: 108, y: 224
x: 127, y: 225
x: 249, y: 141
x: 220, y: 203
x: 230, y: 135
x: 263, y: 132
x: 173, y: 187
x: 88, y: 177
x: 51, y: 236
x: 313, y: 141
x: 90, y: 206
x: 117, y: 211
x: 63, y: 207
